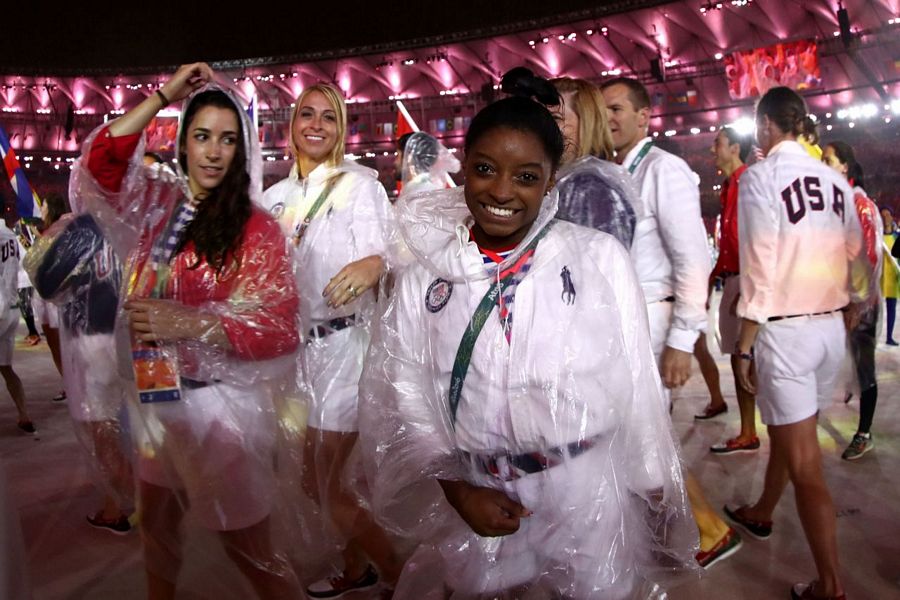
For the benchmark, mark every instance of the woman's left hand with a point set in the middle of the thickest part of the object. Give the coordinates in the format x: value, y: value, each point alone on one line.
x: 155, y: 320
x: 353, y: 281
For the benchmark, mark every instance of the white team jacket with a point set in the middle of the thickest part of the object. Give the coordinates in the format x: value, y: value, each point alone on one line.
x: 669, y: 249
x: 800, y: 237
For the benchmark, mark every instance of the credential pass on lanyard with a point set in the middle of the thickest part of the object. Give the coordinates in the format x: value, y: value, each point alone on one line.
x: 476, y: 324
x: 301, y: 227
x: 640, y: 157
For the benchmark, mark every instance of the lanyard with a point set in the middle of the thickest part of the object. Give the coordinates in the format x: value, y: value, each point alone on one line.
x: 301, y: 227
x: 476, y: 324
x: 640, y: 157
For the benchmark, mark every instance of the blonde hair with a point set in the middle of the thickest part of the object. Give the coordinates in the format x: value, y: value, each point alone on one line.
x: 336, y: 99
x: 594, y: 137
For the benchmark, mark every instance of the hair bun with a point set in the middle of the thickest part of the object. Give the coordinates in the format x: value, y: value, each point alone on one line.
x: 520, y: 81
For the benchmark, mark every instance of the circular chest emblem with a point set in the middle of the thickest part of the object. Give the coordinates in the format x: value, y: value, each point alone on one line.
x: 438, y: 294
x: 278, y: 210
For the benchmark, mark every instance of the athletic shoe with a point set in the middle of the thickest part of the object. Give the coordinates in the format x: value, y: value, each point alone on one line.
x: 728, y: 545
x: 335, y: 587
x: 892, y: 343
x: 858, y: 446
x: 26, y: 426
x: 734, y: 446
x: 709, y: 412
x: 759, y: 529
x: 118, y: 526
x: 803, y: 591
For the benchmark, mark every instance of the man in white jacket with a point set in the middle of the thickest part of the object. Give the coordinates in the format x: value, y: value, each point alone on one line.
x: 672, y: 263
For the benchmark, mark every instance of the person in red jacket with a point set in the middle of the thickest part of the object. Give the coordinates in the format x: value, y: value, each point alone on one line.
x: 731, y: 151
x: 211, y: 301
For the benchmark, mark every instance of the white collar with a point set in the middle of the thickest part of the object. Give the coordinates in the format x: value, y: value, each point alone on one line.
x: 632, y: 154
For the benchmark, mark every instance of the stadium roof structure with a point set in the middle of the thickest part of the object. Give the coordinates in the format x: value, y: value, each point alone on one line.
x: 85, y: 66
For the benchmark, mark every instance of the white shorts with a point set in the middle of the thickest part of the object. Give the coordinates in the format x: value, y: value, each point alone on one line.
x: 8, y: 325
x: 564, y: 545
x: 332, y: 366
x: 729, y: 322
x: 660, y: 317
x: 218, y: 445
x: 798, y: 362
x: 94, y: 389
x: 45, y: 313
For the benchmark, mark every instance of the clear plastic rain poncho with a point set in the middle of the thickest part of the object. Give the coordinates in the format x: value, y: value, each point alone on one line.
x: 207, y: 432
x: 427, y: 164
x: 601, y: 195
x: 557, y: 404
x: 73, y: 266
x: 335, y: 217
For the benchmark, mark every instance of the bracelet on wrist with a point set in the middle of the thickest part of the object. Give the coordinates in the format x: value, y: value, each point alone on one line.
x: 163, y: 99
x: 745, y: 355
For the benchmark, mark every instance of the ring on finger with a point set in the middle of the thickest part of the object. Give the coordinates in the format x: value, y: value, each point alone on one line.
x: 351, y: 290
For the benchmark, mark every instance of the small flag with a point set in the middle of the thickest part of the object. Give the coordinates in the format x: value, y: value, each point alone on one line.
x: 27, y: 202
x: 683, y: 99
x: 405, y: 123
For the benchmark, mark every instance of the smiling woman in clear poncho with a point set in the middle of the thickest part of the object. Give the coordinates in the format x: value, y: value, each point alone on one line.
x: 212, y: 302
x: 334, y: 213
x: 511, y: 412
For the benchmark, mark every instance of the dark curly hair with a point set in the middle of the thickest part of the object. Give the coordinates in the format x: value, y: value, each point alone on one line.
x: 218, y: 227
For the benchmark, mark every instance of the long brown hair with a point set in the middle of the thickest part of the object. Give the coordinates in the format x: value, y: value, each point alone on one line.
x: 218, y: 227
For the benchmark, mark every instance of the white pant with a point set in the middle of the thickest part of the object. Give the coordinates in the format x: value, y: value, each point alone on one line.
x: 660, y: 317
x: 332, y: 366
x: 45, y: 312
x: 217, y: 444
x: 798, y: 362
x: 579, y: 541
x: 8, y: 324
x: 90, y: 372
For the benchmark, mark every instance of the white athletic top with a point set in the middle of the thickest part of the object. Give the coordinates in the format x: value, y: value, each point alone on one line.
x: 349, y: 226
x: 669, y: 250
x: 799, y: 234
x: 9, y: 267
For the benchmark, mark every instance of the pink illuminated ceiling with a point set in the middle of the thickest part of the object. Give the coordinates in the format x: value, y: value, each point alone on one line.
x: 688, y: 40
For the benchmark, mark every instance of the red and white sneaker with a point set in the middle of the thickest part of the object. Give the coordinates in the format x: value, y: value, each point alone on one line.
x: 336, y: 587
